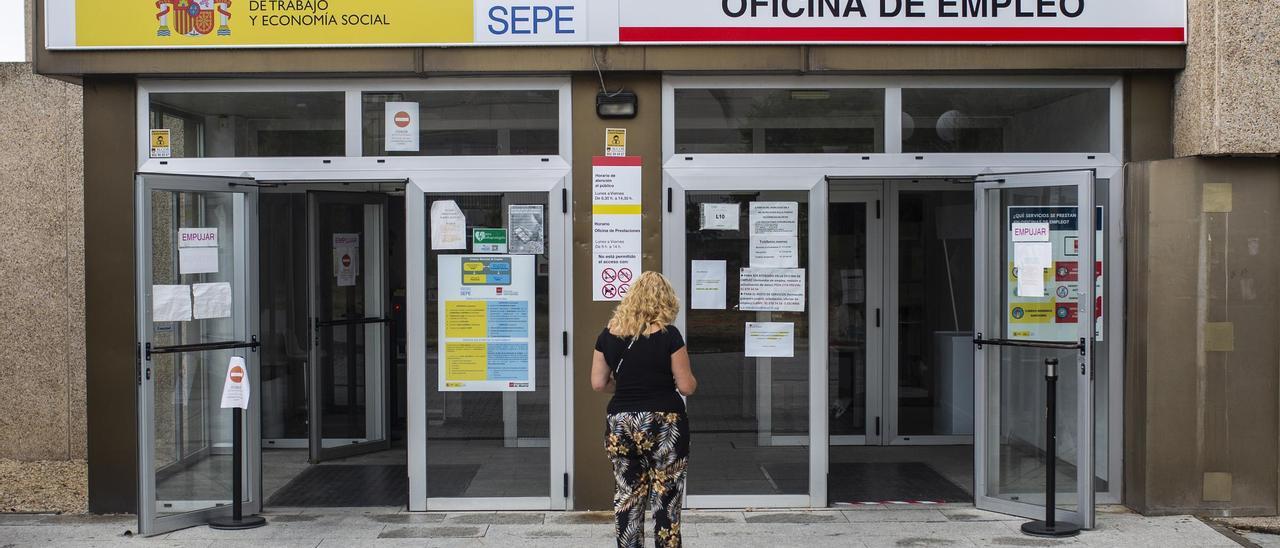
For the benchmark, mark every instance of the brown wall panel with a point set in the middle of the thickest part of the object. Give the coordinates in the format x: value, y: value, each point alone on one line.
x: 111, y: 339
x: 593, y: 481
x: 1148, y: 102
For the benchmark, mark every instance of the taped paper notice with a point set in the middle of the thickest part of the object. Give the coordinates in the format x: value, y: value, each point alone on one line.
x: 770, y: 340
x: 197, y: 250
x: 1030, y: 232
x: 771, y: 289
x: 1031, y: 260
x: 775, y: 218
x: 775, y: 252
x: 211, y: 300
x: 401, y: 127
x: 170, y: 303
x: 346, y: 258
x: 235, y: 389
x: 526, y: 224
x: 448, y: 225
x: 707, y: 285
x: 616, y: 242
x: 720, y: 216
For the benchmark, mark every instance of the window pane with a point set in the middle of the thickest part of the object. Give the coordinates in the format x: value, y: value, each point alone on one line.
x: 745, y: 121
x: 470, y: 123
x: 251, y: 124
x: 1006, y: 120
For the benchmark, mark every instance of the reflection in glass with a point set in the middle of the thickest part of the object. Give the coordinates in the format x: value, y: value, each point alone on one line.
x: 251, y: 124
x: 847, y: 313
x: 1006, y: 120
x: 470, y: 123
x: 779, y: 121
x: 750, y: 418
x: 489, y: 444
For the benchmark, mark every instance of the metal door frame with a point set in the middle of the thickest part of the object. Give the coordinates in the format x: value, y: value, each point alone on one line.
x: 552, y: 177
x: 244, y: 241
x: 379, y: 315
x: 984, y: 238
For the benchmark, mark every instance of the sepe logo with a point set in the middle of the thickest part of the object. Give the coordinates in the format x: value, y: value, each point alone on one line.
x: 402, y: 119
x: 193, y: 18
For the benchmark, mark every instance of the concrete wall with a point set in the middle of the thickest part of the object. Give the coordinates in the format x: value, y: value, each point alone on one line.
x: 1229, y: 96
x: 42, y: 352
x: 1203, y: 380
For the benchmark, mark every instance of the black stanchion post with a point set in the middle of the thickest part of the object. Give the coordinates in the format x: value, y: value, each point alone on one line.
x: 237, y: 520
x: 1050, y: 526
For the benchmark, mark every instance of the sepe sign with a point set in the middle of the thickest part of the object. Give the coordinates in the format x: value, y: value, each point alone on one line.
x: 489, y: 240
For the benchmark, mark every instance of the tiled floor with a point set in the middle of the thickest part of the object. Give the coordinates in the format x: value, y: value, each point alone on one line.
x: 951, y: 525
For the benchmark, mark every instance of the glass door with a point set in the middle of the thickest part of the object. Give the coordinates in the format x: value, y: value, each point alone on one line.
x: 855, y: 311
x: 489, y: 344
x: 196, y: 329
x: 748, y: 255
x: 1036, y: 306
x: 350, y: 347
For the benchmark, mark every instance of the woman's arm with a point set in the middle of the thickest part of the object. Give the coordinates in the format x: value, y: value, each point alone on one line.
x: 683, y: 372
x: 601, y: 377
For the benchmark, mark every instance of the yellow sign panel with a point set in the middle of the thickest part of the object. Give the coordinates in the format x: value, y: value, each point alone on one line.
x: 466, y: 361
x: 1022, y: 313
x: 466, y: 319
x: 247, y: 23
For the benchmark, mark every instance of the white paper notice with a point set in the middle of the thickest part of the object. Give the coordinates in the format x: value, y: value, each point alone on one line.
x: 1030, y: 261
x: 198, y: 260
x: 775, y: 252
x: 402, y: 127
x: 775, y: 218
x: 707, y: 285
x: 211, y: 300
x: 770, y: 340
x: 197, y: 250
x: 170, y: 303
x: 616, y: 216
x: 771, y: 289
x: 235, y: 389
x: 525, y: 234
x: 720, y: 216
x: 448, y: 225
x: 346, y: 258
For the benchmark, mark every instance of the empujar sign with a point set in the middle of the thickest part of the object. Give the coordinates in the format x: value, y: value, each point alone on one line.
x: 168, y: 24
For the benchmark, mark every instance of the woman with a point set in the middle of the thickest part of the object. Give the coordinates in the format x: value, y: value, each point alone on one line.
x: 640, y: 357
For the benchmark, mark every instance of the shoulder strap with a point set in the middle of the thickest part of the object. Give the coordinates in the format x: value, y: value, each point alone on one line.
x: 623, y: 358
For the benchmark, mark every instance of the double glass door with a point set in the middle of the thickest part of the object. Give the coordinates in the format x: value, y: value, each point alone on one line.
x: 196, y: 309
x: 350, y: 358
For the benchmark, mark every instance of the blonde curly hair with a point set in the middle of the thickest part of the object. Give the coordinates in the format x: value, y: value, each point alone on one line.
x: 650, y: 301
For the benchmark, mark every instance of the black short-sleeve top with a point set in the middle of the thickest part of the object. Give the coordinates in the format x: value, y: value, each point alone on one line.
x: 645, y: 383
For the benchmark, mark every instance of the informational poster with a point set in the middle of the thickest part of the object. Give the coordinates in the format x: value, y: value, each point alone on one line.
x: 235, y: 389
x: 401, y: 127
x: 161, y: 144
x: 775, y: 236
x: 771, y: 289
x: 616, y: 209
x: 489, y: 240
x: 526, y: 226
x: 197, y: 250
x: 615, y: 142
x: 1043, y: 286
x: 720, y: 216
x: 775, y: 252
x: 170, y: 303
x: 448, y: 225
x: 211, y: 301
x: 346, y: 258
x: 770, y: 340
x: 486, y: 323
x: 707, y: 285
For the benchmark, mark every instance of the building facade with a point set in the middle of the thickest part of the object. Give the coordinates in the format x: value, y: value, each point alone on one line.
x: 844, y: 207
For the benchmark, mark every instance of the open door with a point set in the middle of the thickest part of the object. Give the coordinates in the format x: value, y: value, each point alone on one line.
x: 196, y: 309
x: 1036, y: 301
x: 350, y: 345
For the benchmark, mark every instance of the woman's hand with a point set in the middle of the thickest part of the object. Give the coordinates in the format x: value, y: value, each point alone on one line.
x: 601, y: 376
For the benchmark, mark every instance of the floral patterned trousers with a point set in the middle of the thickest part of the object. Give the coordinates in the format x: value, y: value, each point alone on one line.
x: 650, y: 455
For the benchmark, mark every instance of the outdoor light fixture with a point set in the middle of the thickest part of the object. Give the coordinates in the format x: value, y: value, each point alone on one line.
x: 618, y: 104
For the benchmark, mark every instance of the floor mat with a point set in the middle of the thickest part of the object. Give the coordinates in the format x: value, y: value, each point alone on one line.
x: 871, y: 482
x: 345, y: 485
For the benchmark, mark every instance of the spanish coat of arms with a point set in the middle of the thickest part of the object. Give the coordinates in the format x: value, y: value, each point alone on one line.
x: 193, y: 17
